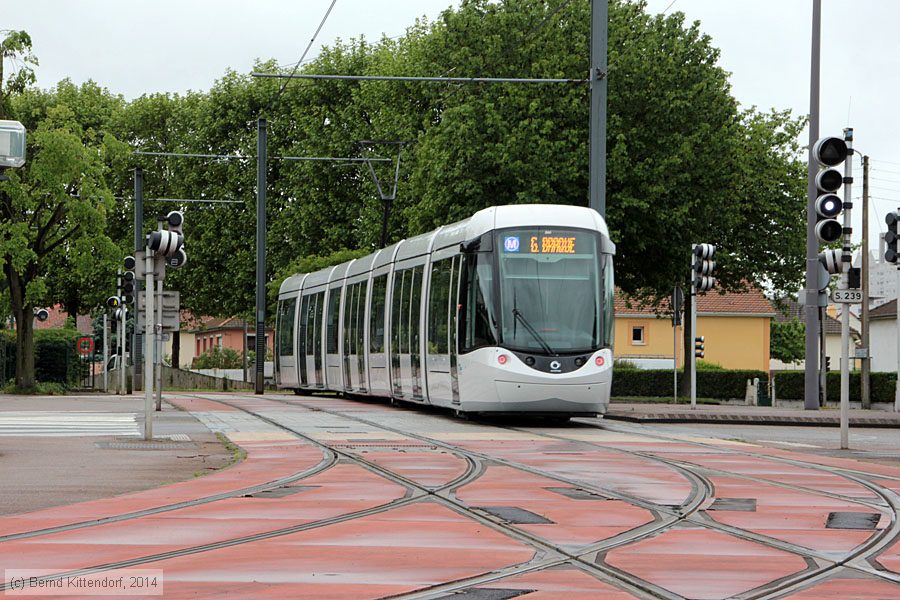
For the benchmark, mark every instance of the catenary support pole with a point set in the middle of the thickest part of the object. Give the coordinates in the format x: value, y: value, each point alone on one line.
x: 811, y: 385
x: 261, y: 152
x: 123, y: 362
x: 599, y: 42
x: 844, y: 285
x: 137, y: 342
x: 897, y: 387
x: 149, y: 336
x: 865, y: 393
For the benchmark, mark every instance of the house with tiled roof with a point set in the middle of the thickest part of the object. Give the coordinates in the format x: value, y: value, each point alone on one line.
x: 225, y: 332
x: 883, y: 337
x: 57, y: 320
x: 735, y: 327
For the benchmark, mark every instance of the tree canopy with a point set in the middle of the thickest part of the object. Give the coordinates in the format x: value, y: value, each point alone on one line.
x: 685, y: 163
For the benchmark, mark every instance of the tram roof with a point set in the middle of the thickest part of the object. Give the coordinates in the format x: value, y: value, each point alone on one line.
x: 485, y: 220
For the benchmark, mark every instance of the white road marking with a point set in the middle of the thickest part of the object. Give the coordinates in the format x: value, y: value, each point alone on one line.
x: 49, y: 423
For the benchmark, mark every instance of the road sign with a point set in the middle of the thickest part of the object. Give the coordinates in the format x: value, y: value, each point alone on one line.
x: 159, y: 267
x: 171, y: 303
x: 847, y: 296
x: 861, y: 353
x: 85, y: 345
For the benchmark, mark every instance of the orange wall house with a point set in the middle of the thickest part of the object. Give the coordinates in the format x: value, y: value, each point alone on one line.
x: 227, y: 333
x: 735, y: 327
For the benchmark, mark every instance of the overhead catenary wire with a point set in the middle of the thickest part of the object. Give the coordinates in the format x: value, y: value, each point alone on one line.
x: 302, y: 57
x: 245, y: 157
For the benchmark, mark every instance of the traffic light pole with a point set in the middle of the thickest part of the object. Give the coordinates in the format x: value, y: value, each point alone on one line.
x: 105, y: 352
x: 149, y: 329
x: 897, y: 388
x: 811, y: 306
x: 846, y: 258
x: 261, y: 154
x: 137, y: 341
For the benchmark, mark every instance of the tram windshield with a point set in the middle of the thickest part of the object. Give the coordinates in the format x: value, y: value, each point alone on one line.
x: 556, y: 291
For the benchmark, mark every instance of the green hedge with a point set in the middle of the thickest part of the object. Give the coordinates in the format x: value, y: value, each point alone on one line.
x: 56, y: 359
x: 789, y: 385
x: 722, y: 385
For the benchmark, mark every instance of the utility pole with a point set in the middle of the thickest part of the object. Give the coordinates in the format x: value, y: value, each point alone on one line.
x: 105, y: 351
x: 149, y: 330
x: 261, y: 155
x: 137, y: 342
x: 865, y: 391
x: 811, y: 384
x: 598, y: 78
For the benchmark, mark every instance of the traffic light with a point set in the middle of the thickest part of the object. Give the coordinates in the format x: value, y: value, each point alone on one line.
x: 699, y: 346
x: 829, y: 152
x: 128, y: 280
x: 113, y: 302
x: 42, y: 314
x: 704, y: 265
x: 827, y: 364
x: 892, y: 237
x: 831, y: 260
x: 175, y: 220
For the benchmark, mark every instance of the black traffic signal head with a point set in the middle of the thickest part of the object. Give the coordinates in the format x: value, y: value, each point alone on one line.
x: 175, y: 220
x: 892, y: 237
x: 829, y: 152
x: 831, y: 260
x: 130, y: 263
x: 42, y: 314
x: 113, y: 302
x: 166, y: 243
x: 699, y: 346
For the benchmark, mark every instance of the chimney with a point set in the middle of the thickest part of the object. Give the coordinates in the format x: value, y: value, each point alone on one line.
x: 881, y: 248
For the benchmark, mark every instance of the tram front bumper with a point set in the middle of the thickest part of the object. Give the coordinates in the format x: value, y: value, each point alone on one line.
x: 556, y: 397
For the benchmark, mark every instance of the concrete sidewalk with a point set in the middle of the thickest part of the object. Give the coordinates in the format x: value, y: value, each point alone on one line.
x: 57, y: 450
x: 746, y: 415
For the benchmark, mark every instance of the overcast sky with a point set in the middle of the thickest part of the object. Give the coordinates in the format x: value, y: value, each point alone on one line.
x: 135, y: 48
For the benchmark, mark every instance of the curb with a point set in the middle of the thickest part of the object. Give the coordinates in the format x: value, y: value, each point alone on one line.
x: 733, y: 419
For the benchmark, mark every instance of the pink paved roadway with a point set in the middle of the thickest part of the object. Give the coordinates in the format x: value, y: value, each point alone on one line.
x: 381, y: 512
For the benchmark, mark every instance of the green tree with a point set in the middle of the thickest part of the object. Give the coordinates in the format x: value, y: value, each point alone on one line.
x: 787, y: 341
x: 52, y: 211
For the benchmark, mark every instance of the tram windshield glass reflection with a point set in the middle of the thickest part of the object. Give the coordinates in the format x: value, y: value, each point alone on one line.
x: 552, y: 291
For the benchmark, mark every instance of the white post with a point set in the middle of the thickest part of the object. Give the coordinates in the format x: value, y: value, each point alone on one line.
x: 105, y: 352
x: 845, y: 285
x: 149, y: 335
x: 123, y: 364
x: 159, y: 344
x: 692, y: 352
x: 897, y: 389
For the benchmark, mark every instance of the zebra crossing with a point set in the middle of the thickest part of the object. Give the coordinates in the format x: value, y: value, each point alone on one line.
x: 50, y: 423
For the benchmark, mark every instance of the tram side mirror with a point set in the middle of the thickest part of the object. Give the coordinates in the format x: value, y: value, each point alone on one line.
x: 480, y: 244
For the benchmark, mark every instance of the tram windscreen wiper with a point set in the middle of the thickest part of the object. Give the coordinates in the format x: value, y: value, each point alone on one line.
x: 518, y: 315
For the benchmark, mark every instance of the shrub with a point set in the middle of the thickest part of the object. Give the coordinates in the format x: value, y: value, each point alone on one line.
x: 722, y: 385
x: 705, y: 365
x: 218, y: 358
x: 624, y: 364
x: 789, y: 385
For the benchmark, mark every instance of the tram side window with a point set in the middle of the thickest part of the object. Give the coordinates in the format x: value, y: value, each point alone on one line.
x: 334, y: 313
x: 286, y: 326
x: 376, y: 325
x: 415, y: 307
x: 348, y: 310
x: 478, y: 324
x: 403, y: 313
x: 438, y: 301
x: 359, y: 315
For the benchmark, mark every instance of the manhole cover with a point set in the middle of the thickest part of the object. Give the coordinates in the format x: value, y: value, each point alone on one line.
x: 734, y: 504
x: 852, y: 520
x: 145, y: 445
x: 515, y: 515
x: 576, y: 493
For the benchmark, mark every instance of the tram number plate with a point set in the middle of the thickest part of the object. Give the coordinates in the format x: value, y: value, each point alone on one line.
x: 847, y: 296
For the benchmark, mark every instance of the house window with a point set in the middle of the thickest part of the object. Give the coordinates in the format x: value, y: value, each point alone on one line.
x: 638, y: 337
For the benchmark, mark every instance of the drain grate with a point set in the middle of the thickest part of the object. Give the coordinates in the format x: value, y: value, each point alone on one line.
x: 281, y: 492
x: 576, y: 493
x: 852, y: 520
x: 515, y: 515
x: 734, y: 504
x: 145, y: 445
x: 485, y: 594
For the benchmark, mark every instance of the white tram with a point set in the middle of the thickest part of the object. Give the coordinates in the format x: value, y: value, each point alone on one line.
x: 509, y: 311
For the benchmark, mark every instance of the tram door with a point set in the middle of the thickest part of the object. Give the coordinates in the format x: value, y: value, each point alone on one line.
x: 309, y: 350
x: 284, y: 342
x: 378, y: 363
x: 441, y: 330
x: 332, y: 332
x: 354, y: 315
x: 405, y: 331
